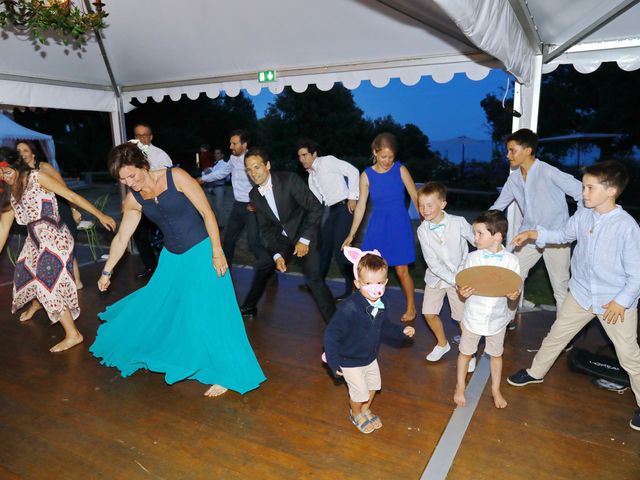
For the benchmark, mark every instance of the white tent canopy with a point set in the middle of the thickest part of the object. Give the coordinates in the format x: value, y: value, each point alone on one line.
x: 155, y: 48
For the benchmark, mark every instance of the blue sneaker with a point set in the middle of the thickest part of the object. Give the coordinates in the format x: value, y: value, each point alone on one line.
x: 522, y: 378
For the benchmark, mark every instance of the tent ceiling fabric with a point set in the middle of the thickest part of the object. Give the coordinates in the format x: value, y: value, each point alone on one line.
x: 160, y: 47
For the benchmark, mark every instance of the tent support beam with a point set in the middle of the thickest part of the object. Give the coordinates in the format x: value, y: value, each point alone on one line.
x: 523, y: 14
x: 599, y: 23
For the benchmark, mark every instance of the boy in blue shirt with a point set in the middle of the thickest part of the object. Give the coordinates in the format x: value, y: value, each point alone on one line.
x: 352, y: 339
x: 605, y: 276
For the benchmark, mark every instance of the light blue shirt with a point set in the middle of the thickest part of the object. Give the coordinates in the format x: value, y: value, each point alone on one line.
x: 605, y: 264
x: 239, y: 179
x: 542, y: 197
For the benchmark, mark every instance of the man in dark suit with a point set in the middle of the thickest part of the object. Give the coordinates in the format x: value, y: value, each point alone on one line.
x: 289, y: 217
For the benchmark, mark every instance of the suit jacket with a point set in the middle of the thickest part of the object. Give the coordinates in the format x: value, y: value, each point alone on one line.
x: 299, y: 210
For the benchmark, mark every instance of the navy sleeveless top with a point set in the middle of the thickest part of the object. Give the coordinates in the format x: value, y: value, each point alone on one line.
x: 177, y: 218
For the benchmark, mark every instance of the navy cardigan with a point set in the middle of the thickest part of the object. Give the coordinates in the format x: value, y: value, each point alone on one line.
x: 352, y: 338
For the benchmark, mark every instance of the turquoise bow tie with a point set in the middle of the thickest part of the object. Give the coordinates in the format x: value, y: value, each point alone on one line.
x: 378, y: 304
x: 436, y: 226
x: 492, y: 255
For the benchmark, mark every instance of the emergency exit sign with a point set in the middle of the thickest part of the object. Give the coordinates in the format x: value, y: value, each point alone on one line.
x: 267, y: 76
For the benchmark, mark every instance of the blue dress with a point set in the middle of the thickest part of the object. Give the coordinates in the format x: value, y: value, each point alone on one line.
x: 185, y: 322
x: 389, y: 229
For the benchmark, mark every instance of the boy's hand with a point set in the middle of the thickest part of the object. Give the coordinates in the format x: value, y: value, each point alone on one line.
x: 524, y: 237
x: 613, y: 312
x: 409, y: 331
x: 513, y: 295
x: 465, y: 291
x: 338, y: 373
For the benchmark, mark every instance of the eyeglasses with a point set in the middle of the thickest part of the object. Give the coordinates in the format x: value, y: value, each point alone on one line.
x: 7, y: 173
x: 142, y: 135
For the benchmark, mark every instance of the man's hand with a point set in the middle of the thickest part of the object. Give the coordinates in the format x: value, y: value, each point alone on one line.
x: 409, y: 331
x: 351, y: 206
x: 251, y: 207
x: 613, y: 312
x: 301, y: 250
x: 281, y: 265
x: 200, y: 181
x: 466, y: 291
x: 524, y: 237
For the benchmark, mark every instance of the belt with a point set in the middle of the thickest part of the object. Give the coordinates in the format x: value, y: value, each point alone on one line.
x: 338, y: 204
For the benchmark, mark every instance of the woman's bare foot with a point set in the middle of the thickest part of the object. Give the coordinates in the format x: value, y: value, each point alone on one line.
x: 67, y: 343
x: 459, y: 397
x: 498, y: 399
x: 30, y: 312
x: 408, y: 316
x: 215, y: 391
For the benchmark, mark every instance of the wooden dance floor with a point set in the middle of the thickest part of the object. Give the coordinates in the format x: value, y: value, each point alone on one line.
x: 63, y: 416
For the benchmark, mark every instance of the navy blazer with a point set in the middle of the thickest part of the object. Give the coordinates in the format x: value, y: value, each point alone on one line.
x: 299, y: 210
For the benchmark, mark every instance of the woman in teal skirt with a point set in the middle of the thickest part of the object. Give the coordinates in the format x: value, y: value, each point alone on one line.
x: 185, y: 322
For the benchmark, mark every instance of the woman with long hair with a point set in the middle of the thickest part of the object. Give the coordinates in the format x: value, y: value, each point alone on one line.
x: 43, y: 269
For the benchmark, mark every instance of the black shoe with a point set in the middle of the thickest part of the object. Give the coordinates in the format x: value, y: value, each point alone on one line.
x: 147, y: 272
x: 248, y: 311
x: 522, y: 378
x: 303, y: 287
x: 635, y: 421
x: 512, y: 325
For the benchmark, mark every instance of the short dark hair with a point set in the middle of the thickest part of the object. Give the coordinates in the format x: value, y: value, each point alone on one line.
x: 310, y: 145
x: 126, y: 155
x: 243, y: 134
x: 145, y: 125
x: 257, y: 152
x: 495, y: 221
x: 431, y: 188
x: 609, y: 173
x: 372, y: 263
x: 525, y: 138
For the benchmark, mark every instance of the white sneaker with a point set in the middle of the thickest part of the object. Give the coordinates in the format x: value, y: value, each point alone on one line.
x: 437, y: 352
x: 472, y: 365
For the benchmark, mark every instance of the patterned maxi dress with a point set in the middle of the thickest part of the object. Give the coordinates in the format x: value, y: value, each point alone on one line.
x: 44, y: 269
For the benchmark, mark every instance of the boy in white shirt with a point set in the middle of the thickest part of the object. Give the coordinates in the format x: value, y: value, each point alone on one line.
x: 486, y: 317
x: 443, y: 240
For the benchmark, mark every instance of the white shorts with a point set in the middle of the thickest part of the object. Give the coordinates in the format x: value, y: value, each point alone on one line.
x: 434, y: 299
x: 362, y: 380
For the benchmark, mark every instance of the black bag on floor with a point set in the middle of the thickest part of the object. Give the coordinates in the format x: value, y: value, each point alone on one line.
x: 599, y: 366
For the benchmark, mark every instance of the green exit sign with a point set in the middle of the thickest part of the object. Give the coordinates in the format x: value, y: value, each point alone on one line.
x: 267, y: 76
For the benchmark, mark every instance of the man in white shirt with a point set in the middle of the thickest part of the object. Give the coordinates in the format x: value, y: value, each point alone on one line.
x: 157, y: 158
x: 242, y: 213
x: 214, y: 189
x: 335, y: 183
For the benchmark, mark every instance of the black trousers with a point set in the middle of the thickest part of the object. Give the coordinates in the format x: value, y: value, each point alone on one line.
x: 239, y: 219
x: 310, y: 266
x: 142, y: 239
x: 334, y: 231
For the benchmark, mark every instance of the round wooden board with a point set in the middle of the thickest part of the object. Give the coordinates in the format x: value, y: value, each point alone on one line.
x: 489, y: 281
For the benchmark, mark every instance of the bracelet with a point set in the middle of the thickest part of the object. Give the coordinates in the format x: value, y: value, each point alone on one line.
x: 107, y: 273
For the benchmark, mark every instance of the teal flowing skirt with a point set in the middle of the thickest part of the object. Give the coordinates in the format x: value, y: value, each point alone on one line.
x: 184, y: 323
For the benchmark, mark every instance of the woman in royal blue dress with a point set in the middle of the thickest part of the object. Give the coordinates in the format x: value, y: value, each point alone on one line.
x: 185, y: 322
x: 389, y: 229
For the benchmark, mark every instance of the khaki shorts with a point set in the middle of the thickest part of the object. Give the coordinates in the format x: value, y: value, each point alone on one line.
x: 434, y: 299
x: 493, y: 344
x: 362, y: 380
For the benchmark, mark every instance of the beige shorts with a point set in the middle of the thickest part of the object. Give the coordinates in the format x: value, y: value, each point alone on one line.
x: 361, y: 380
x: 493, y: 344
x: 434, y: 299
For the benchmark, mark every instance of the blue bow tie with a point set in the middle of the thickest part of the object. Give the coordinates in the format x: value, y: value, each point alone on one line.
x: 378, y: 304
x: 486, y: 254
x: 436, y: 226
